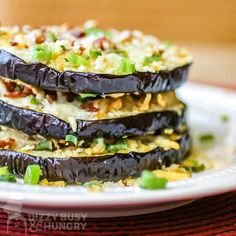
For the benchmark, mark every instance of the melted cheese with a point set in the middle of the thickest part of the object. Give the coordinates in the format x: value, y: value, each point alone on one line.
x: 107, y: 108
x: 26, y: 144
x: 116, y: 45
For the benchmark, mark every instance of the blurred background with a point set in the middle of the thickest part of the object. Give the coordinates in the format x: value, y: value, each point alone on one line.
x: 208, y: 27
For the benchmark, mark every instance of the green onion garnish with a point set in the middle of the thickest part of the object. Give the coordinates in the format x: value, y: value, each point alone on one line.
x: 32, y: 174
x: 84, y: 97
x: 52, y: 36
x: 120, y: 52
x: 44, y: 145
x: 98, y: 32
x: 5, y: 175
x: 35, y: 101
x: 149, y: 60
x: 148, y: 180
x: 71, y: 139
x: 77, y: 60
x: 7, y: 178
x: 94, y: 53
x: 87, y: 95
x: 167, y: 44
x: 4, y: 170
x: 193, y: 165
x: 126, y: 66
x: 92, y: 183
x: 224, y: 118
x: 205, y: 138
x: 42, y: 52
x: 120, y: 145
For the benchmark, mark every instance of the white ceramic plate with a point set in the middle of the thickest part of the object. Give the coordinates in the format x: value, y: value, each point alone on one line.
x: 207, y: 105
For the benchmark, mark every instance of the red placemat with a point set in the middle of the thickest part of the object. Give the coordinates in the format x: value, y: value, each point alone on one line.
x: 209, y: 216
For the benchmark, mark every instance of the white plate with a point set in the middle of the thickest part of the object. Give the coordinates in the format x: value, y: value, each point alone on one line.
x: 206, y: 107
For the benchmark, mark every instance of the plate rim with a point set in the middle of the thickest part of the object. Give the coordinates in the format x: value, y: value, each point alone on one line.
x: 22, y: 192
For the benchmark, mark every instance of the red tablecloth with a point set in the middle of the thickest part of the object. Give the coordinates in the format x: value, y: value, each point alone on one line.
x: 210, y: 216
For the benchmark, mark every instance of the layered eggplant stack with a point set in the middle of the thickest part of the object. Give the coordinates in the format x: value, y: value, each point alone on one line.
x: 90, y: 104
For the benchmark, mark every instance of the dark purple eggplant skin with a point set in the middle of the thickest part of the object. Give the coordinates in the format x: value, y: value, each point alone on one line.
x: 105, y: 168
x: 137, y: 125
x: 49, y: 126
x: 32, y: 123
x: 42, y: 76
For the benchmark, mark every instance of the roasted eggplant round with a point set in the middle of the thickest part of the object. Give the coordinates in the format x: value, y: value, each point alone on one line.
x: 110, y: 167
x: 42, y: 76
x: 33, y: 122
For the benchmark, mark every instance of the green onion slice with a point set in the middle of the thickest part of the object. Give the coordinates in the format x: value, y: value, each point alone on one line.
x: 120, y: 145
x: 72, y: 139
x: 44, y: 145
x: 151, y: 59
x: 94, y: 53
x: 52, y: 36
x: 32, y: 174
x: 149, y: 180
x: 126, y: 66
x: 204, y: 138
x: 35, y: 101
x: 5, y: 175
x: 193, y: 165
x: 92, y: 183
x: 42, y: 52
x: 224, y: 118
x: 7, y: 178
x: 98, y: 32
x: 77, y: 60
x: 4, y: 170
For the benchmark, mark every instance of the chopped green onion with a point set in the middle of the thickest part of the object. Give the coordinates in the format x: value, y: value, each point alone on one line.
x: 206, y: 138
x: 193, y: 165
x: 7, y: 178
x: 120, y: 52
x: 94, y: 53
x: 63, y: 48
x: 77, y: 60
x: 150, y: 60
x: 97, y: 32
x: 42, y: 52
x: 35, y: 101
x: 92, y: 183
x: 44, y: 145
x: 32, y: 174
x: 83, y: 97
x: 4, y: 170
x: 88, y: 95
x: 5, y: 175
x: 167, y: 44
x: 126, y: 66
x: 52, y: 36
x: 120, y: 145
x: 72, y: 139
x: 224, y: 118
x: 149, y: 180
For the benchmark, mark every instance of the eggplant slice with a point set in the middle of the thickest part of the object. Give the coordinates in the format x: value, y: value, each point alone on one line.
x: 44, y: 77
x: 111, y: 167
x: 33, y: 122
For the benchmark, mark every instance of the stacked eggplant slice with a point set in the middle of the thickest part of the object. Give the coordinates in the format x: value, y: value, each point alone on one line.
x: 86, y: 104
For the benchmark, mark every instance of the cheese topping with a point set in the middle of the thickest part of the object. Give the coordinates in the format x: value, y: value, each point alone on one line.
x: 57, y: 104
x: 91, y: 49
x: 27, y: 144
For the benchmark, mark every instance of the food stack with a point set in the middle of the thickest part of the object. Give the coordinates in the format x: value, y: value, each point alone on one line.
x: 86, y: 104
